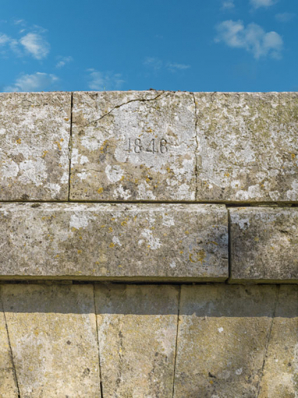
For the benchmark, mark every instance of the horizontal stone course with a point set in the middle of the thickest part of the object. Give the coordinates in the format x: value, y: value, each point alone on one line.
x: 264, y: 244
x: 165, y: 146
x: 34, y: 146
x: 111, y: 241
x: 114, y: 340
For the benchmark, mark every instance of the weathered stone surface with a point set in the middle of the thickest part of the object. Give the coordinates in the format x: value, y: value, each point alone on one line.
x: 53, y: 339
x: 133, y: 146
x: 222, y: 336
x: 247, y: 147
x: 280, y: 374
x: 137, y: 328
x: 264, y: 244
x: 114, y: 240
x: 34, y: 140
x: 8, y: 385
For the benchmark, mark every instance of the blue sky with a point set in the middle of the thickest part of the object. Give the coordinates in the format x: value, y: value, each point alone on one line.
x: 192, y: 45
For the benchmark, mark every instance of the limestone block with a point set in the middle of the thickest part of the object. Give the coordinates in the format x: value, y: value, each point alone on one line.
x: 34, y: 146
x: 53, y: 339
x: 133, y: 146
x: 8, y: 384
x: 114, y: 241
x: 247, y: 147
x: 137, y: 328
x: 264, y: 244
x: 222, y: 336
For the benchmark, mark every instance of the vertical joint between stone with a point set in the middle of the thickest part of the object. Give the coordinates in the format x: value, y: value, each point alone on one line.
x: 97, y: 341
x: 197, y: 146
x: 70, y: 145
x: 10, y: 350
x: 176, y: 342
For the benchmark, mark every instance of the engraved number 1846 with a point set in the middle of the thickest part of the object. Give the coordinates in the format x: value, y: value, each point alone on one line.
x: 154, y: 146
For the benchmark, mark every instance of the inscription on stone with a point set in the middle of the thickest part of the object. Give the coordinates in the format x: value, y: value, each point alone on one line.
x: 155, y: 146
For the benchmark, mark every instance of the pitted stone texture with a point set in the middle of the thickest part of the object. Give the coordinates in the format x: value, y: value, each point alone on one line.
x: 247, y: 147
x: 222, y: 336
x: 8, y: 385
x: 137, y: 328
x: 34, y: 146
x: 280, y: 374
x: 114, y: 240
x: 133, y: 146
x: 53, y: 339
x: 264, y: 244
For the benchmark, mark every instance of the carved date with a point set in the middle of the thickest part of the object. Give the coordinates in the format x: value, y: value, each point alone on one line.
x: 154, y: 146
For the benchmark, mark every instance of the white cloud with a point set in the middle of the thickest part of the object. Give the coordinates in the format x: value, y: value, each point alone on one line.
x: 262, y: 3
x: 4, y: 39
x: 35, y: 45
x: 35, y: 82
x: 63, y: 61
x: 104, y: 81
x: 252, y: 38
x: 154, y: 63
x: 285, y: 16
x: 228, y: 4
x: 173, y: 66
x: 157, y: 64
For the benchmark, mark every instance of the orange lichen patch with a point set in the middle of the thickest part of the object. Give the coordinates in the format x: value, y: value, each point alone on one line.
x: 124, y: 223
x: 110, y: 230
x: 73, y: 229
x: 79, y: 251
x: 112, y: 244
x: 227, y: 174
x: 214, y: 243
x: 197, y: 257
x: 66, y: 119
x: 293, y: 156
x: 58, y: 145
x: 44, y: 153
x: 181, y: 252
x: 100, y: 190
x: 256, y: 239
x: 19, y: 140
x: 186, y: 233
x: 103, y: 146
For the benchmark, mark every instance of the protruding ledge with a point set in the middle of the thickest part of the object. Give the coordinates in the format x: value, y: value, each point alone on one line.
x: 114, y: 241
x: 264, y: 245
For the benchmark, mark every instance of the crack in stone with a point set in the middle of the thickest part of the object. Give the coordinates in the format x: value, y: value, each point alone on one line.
x: 128, y: 102
x: 10, y: 351
x: 176, y: 343
x: 268, y: 341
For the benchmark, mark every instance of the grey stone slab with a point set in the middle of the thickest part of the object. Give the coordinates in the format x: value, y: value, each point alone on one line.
x: 34, y: 146
x: 53, y: 339
x: 247, y: 147
x: 264, y: 244
x: 137, y: 327
x: 133, y: 146
x: 222, y: 336
x: 114, y: 241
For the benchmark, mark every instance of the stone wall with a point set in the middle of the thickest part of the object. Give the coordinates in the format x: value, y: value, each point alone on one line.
x: 149, y: 244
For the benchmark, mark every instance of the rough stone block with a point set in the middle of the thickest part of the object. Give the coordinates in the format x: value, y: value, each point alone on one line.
x: 53, y: 338
x: 264, y: 244
x: 8, y: 385
x: 133, y: 146
x: 34, y: 146
x: 137, y: 328
x: 280, y: 374
x: 247, y: 147
x: 114, y: 241
x: 222, y: 336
